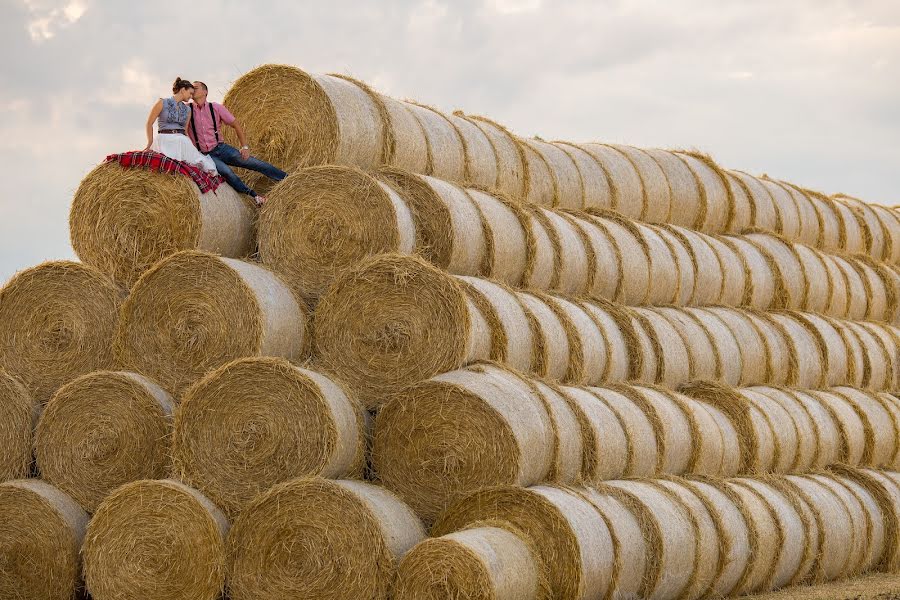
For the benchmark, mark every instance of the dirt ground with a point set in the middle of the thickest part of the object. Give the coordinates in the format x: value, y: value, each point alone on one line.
x: 870, y: 587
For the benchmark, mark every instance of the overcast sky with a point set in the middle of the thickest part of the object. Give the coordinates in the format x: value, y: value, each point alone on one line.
x: 804, y: 90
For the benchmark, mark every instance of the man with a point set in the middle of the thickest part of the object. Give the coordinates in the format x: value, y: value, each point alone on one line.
x: 204, y: 130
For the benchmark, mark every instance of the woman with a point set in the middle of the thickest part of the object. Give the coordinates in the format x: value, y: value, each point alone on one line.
x: 174, y: 116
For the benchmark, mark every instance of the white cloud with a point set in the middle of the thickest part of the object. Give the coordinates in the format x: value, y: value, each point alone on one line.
x: 511, y: 7
x: 134, y: 84
x: 49, y: 17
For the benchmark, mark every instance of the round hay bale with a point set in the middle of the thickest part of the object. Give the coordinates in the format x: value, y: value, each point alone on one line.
x: 727, y: 356
x: 731, y: 447
x: 404, y: 144
x: 879, y: 354
x: 542, y: 184
x: 876, y: 290
x: 633, y: 257
x: 809, y: 225
x: 673, y: 537
x: 715, y: 200
x: 560, y: 344
x: 830, y: 232
x: 450, y: 228
x: 805, y: 434
x: 123, y: 221
x: 734, y: 277
x: 568, y: 460
x: 543, y: 261
x: 890, y: 222
x: 672, y: 358
x: 480, y: 158
x: 703, y: 358
x: 741, y: 216
x: 318, y: 119
x: 507, y: 252
x: 18, y: 416
x: 446, y: 151
x: 684, y: 269
x: 512, y: 174
x: 686, y: 204
x: 857, y: 296
x: 656, y: 201
x: 101, y: 431
x: 607, y: 266
x: 817, y: 279
x: 763, y: 213
x: 619, y: 338
x: 320, y: 220
x: 590, y: 352
x: 317, y: 538
x: 643, y: 449
x: 809, y: 359
x: 568, y: 188
x: 194, y: 312
x: 512, y: 335
x: 782, y: 367
x: 856, y: 235
x: 827, y: 429
x: 595, y: 183
x: 881, y: 435
x: 155, y: 539
x: 785, y: 431
x: 571, y: 538
x: 57, y: 321
x: 795, y: 554
x: 575, y: 275
x: 704, y: 263
x: 872, y: 533
x: 664, y: 269
x: 858, y: 368
x: 766, y: 536
x: 885, y: 491
x: 891, y: 402
x: 790, y: 284
x: 625, y: 182
x: 760, y: 289
x: 442, y: 439
x: 604, y: 435
x: 750, y: 340
x: 41, y: 531
x: 839, y: 302
x: 786, y: 207
x: 850, y: 425
x: 836, y: 364
x: 480, y: 563
x: 255, y: 422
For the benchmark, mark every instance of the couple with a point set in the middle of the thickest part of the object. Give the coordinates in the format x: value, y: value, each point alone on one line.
x: 189, y: 132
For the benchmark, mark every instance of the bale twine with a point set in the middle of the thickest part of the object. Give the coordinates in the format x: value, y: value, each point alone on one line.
x: 709, y: 275
x: 103, y: 430
x: 839, y: 301
x: 734, y: 277
x: 795, y: 553
x: 255, y: 422
x: 686, y: 207
x: 575, y: 275
x: 817, y: 279
x: 318, y: 119
x: 849, y: 422
x: 123, y: 221
x: 507, y: 252
x: 484, y: 562
x: 604, y: 435
x: 446, y: 151
x: 568, y: 186
x: 317, y: 538
x: 671, y: 250
x: 727, y: 356
x: 760, y: 291
x: 594, y: 180
x: 155, y: 539
x: 480, y: 157
x: 716, y: 202
x: 41, y: 531
x: 624, y: 180
x: 672, y: 358
x: 512, y: 335
x: 18, y: 416
x: 454, y: 434
x: 608, y: 268
x: 810, y: 224
x: 872, y: 534
x: 633, y: 257
x: 320, y: 220
x: 786, y: 207
x: 448, y: 224
x: 827, y: 429
x: 881, y: 435
x: 885, y: 491
x: 741, y: 213
x: 193, y: 312
x: 670, y: 532
x: 542, y: 184
x: 643, y: 448
x: 790, y: 284
x: 512, y: 173
x: 804, y: 434
x: 856, y: 235
x: 657, y: 198
x: 750, y: 340
x: 703, y: 358
x: 57, y: 321
x: 762, y: 207
x: 833, y: 348
x: 573, y: 541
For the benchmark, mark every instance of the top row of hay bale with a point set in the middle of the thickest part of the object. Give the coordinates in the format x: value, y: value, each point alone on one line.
x: 327, y: 119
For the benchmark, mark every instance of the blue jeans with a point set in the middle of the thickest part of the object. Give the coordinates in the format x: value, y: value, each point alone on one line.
x: 224, y: 155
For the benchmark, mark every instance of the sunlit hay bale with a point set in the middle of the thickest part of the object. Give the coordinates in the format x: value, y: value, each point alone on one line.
x: 665, y: 277
x: 828, y: 438
x: 876, y: 290
x: 568, y: 187
x: 760, y: 289
x: 687, y: 207
x: 542, y: 184
x: 594, y: 180
x: 484, y: 562
x: 809, y: 222
x: 858, y: 368
x: 750, y: 340
x: 642, y: 445
x: 320, y: 220
x: 839, y: 301
x: 604, y: 435
x: 785, y: 431
x: 853, y: 232
x: 451, y: 232
x: 317, y: 538
x: 728, y: 359
x: 805, y: 435
x: 574, y: 275
x: 785, y: 206
x: 316, y: 119
x: 782, y: 367
x: 715, y: 198
x: 881, y: 435
x: 890, y: 222
x: 57, y: 321
x: 155, y: 539
x: 672, y: 358
x: 808, y: 357
x: 507, y: 252
x: 560, y: 352
x: 790, y: 284
x: 255, y: 422
x: 704, y: 360
x: 734, y: 275
x: 670, y: 533
x: 480, y: 158
x: 826, y: 331
x: 543, y: 260
x: 765, y: 537
x: 709, y: 277
x: 193, y: 312
x: 101, y: 431
x: 657, y: 198
x: 123, y: 221
x: 591, y: 349
x: 886, y: 493
x: 512, y: 333
x: 440, y: 440
x: 18, y: 416
x: 512, y: 173
x: 830, y: 231
x: 741, y: 216
x: 624, y: 181
x: 850, y: 425
x: 817, y: 278
x: 873, y: 526
x: 619, y: 339
x: 633, y: 257
x: 880, y: 348
x: 446, y: 150
x: 572, y: 540
x: 891, y: 402
x: 873, y: 231
x: 608, y: 267
x: 41, y: 531
x: 684, y: 269
x: 795, y: 534
x: 762, y: 207
x: 857, y: 298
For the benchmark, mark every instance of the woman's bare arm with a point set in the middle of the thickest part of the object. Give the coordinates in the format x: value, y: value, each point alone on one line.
x: 154, y: 114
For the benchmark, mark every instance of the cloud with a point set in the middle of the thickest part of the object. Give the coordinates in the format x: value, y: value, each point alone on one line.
x: 49, y: 17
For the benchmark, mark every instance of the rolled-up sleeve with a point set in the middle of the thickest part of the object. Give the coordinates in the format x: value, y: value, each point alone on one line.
x: 224, y: 114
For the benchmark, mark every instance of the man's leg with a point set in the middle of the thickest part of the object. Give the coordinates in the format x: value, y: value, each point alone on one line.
x: 233, y: 180
x: 232, y: 156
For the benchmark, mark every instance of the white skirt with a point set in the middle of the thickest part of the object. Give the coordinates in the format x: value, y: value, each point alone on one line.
x: 179, y: 147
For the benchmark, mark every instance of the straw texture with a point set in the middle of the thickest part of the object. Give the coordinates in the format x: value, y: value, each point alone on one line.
x: 18, y: 416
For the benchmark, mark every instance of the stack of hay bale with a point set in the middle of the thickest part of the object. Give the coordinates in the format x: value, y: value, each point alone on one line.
x: 584, y: 370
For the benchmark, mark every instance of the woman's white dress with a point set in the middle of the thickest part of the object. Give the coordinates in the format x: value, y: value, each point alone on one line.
x: 179, y: 147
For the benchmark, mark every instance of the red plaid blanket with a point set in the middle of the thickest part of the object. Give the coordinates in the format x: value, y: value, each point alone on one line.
x: 154, y: 161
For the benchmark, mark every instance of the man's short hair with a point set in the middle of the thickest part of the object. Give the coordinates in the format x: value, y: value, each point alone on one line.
x: 205, y: 89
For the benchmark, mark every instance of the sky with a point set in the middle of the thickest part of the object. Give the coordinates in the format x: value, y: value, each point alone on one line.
x: 805, y: 90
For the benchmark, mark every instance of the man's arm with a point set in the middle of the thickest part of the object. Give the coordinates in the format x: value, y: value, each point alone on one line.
x: 245, y: 151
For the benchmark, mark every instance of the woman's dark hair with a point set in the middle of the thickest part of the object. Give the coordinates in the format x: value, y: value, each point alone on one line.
x: 181, y: 84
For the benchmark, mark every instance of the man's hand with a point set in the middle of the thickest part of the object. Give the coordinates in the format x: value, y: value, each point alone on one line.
x: 245, y: 153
